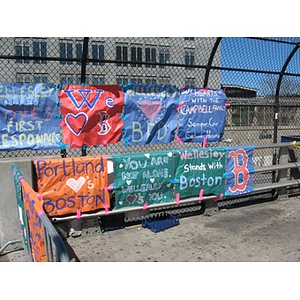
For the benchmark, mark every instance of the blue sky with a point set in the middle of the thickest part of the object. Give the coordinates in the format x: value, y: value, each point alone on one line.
x: 258, y: 55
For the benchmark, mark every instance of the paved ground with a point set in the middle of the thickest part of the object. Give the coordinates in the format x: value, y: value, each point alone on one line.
x: 268, y: 231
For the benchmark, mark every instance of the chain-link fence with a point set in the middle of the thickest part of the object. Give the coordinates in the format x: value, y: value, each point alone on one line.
x: 260, y: 75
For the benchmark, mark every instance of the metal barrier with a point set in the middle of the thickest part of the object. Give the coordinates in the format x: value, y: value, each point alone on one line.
x: 55, y: 249
x: 277, y: 185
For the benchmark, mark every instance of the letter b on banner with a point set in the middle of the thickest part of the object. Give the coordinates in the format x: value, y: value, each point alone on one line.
x: 240, y: 170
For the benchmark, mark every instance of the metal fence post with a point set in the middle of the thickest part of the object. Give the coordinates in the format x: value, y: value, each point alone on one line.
x: 283, y: 173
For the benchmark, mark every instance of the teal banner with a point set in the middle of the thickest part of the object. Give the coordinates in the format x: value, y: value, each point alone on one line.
x: 17, y: 176
x: 143, y: 178
x: 200, y: 169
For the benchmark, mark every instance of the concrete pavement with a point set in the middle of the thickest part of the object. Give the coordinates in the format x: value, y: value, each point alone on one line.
x: 268, y: 231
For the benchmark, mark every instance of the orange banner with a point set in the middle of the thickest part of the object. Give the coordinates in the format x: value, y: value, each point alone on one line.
x: 34, y: 209
x: 72, y: 185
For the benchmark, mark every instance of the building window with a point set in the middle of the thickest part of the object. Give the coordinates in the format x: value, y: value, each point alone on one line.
x: 40, y: 50
x: 66, y: 79
x: 136, y: 79
x: 98, y: 53
x: 79, y: 48
x: 122, y: 80
x: 189, y: 38
x: 189, y: 57
x: 40, y: 78
x: 23, y: 78
x: 150, y: 54
x: 189, y: 82
x: 164, y: 56
x: 136, y: 56
x: 122, y: 55
x: 164, y: 80
x: 66, y: 51
x: 150, y: 80
x: 22, y: 49
x: 98, y: 79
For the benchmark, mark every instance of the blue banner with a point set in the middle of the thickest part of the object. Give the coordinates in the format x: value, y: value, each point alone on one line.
x: 239, y: 170
x: 202, y: 115
x: 150, y: 114
x: 29, y: 116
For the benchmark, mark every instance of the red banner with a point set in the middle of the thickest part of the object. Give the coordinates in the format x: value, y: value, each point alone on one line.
x: 72, y: 185
x: 34, y: 209
x: 91, y: 114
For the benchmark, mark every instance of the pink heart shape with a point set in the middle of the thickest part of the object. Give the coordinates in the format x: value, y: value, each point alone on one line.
x: 151, y: 108
x: 76, y: 123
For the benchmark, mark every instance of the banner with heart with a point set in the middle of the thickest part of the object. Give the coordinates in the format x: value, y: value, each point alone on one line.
x: 76, y: 123
x: 73, y: 183
x: 143, y: 177
x: 91, y: 114
x: 150, y: 113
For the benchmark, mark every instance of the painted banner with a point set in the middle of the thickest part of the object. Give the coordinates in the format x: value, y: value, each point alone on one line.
x: 29, y: 116
x: 72, y: 185
x: 33, y: 210
x: 199, y: 169
x: 239, y: 170
x: 17, y: 176
x: 150, y: 114
x: 143, y: 178
x: 202, y: 115
x: 91, y: 114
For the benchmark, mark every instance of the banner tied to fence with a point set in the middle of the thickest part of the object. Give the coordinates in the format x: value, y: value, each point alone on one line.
x: 34, y: 209
x: 239, y: 170
x: 29, y: 116
x: 72, y: 185
x: 150, y: 113
x: 91, y: 114
x: 17, y: 176
x: 143, y: 178
x: 198, y: 169
x: 202, y: 115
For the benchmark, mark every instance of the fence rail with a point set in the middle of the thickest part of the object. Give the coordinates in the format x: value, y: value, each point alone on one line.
x: 260, y: 75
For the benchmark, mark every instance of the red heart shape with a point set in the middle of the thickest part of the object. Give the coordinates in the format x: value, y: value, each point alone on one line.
x: 76, y: 123
x: 151, y: 108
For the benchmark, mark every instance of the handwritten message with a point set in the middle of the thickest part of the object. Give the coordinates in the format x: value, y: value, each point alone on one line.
x: 150, y: 114
x: 202, y: 115
x: 29, y: 116
x: 69, y: 185
x: 143, y: 177
x: 200, y: 169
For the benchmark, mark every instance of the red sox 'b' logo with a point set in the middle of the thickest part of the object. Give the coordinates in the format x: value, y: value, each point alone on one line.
x: 239, y: 170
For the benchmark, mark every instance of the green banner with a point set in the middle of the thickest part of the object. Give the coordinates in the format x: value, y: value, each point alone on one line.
x: 200, y: 169
x: 17, y: 176
x: 142, y: 178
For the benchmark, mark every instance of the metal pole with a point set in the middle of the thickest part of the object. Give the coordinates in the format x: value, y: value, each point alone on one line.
x: 276, y: 105
x: 7, y: 244
x: 83, y: 73
x: 210, y: 60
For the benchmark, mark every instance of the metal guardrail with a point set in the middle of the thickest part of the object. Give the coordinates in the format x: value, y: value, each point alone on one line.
x: 257, y: 188
x: 55, y: 248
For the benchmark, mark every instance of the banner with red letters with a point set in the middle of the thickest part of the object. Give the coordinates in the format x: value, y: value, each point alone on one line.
x: 91, y: 114
x: 239, y: 170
